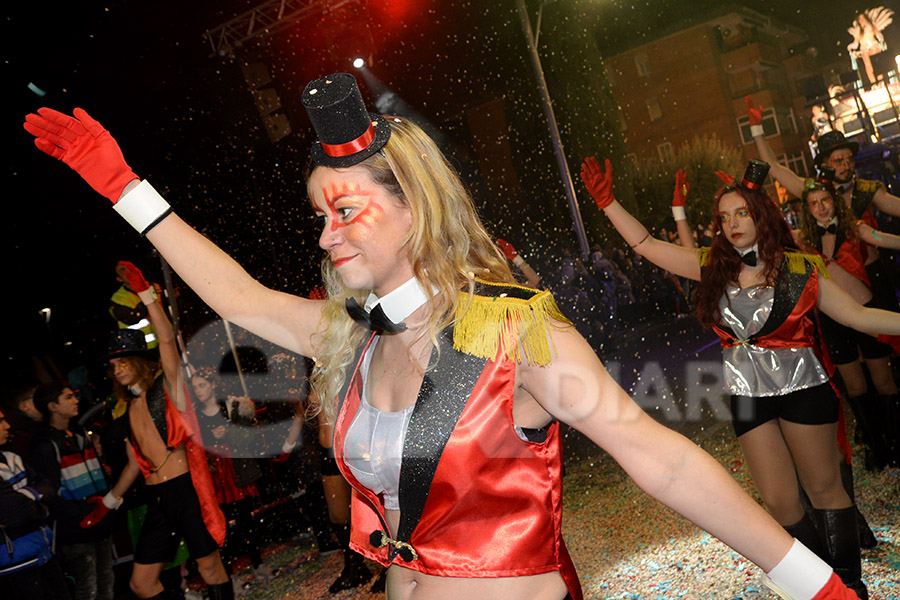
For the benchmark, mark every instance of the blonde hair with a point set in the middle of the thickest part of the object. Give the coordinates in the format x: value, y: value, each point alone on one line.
x: 447, y: 246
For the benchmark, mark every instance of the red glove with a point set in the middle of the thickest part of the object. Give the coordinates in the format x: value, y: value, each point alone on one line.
x: 133, y: 276
x: 282, y: 457
x: 754, y: 112
x: 835, y: 590
x: 682, y: 187
x: 508, y: 251
x: 725, y: 177
x: 97, y: 513
x: 318, y: 293
x: 598, y: 183
x: 84, y: 145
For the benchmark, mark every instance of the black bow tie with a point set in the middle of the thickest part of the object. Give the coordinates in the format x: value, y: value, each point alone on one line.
x: 823, y: 230
x: 375, y: 320
x: 749, y: 259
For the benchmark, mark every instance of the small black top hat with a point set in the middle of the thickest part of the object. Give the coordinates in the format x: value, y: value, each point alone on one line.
x: 833, y: 140
x: 127, y: 342
x: 755, y: 175
x: 825, y: 175
x: 348, y: 134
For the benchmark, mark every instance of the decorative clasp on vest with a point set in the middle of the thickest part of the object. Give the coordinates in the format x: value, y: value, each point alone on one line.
x: 751, y: 341
x: 379, y: 539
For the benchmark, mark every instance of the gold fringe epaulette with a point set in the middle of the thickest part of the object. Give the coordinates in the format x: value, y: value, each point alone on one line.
x: 512, y: 317
x: 868, y: 185
x: 796, y: 261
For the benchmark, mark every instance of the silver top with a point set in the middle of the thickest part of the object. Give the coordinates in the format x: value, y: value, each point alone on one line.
x: 754, y: 371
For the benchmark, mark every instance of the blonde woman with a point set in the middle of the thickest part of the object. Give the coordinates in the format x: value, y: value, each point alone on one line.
x: 445, y: 381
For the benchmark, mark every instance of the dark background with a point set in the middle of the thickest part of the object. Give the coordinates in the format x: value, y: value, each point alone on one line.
x: 186, y: 122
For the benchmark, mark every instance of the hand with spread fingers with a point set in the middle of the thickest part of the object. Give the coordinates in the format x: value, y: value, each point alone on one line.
x: 682, y: 187
x: 84, y: 145
x: 598, y: 182
x: 754, y: 112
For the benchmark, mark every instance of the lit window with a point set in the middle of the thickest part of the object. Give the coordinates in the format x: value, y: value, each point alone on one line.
x: 654, y: 109
x: 666, y: 152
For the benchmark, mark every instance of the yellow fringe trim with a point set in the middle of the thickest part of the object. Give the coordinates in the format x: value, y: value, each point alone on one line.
x: 486, y: 324
x: 796, y: 261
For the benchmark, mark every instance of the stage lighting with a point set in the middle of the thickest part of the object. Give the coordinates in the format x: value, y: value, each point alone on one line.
x: 359, y: 63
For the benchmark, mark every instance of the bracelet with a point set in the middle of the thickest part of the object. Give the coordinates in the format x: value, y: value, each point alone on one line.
x: 642, y: 241
x: 678, y: 213
x: 143, y: 207
x: 148, y: 296
x: 756, y: 130
x: 518, y: 260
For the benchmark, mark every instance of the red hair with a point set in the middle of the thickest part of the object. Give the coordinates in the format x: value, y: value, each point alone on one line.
x: 724, y: 265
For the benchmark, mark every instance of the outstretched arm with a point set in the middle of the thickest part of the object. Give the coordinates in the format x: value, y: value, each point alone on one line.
x: 792, y: 182
x: 576, y: 389
x: 89, y: 149
x: 671, y: 257
x: 886, y: 202
x: 879, y: 238
x: 512, y: 255
x: 840, y: 306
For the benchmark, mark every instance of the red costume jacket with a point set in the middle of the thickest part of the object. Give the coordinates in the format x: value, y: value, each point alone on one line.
x: 180, y: 428
x: 476, y: 500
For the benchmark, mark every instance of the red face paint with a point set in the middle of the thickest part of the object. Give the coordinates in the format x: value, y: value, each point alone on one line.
x: 367, y: 217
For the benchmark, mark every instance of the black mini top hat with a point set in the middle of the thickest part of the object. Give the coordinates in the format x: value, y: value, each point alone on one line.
x: 347, y: 133
x: 825, y: 175
x: 833, y: 140
x: 755, y: 175
x: 127, y: 342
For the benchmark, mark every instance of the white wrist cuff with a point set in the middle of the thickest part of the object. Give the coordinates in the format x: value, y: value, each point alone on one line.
x: 756, y: 130
x: 518, y: 260
x: 678, y: 213
x: 111, y: 502
x: 288, y: 447
x: 143, y: 207
x: 800, y: 574
x: 148, y: 296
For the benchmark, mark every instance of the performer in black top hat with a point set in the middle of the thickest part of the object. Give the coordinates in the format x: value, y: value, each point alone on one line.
x: 760, y: 295
x: 447, y: 383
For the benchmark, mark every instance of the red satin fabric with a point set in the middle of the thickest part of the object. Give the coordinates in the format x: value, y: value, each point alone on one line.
x: 494, y: 508
x: 850, y: 258
x: 180, y: 432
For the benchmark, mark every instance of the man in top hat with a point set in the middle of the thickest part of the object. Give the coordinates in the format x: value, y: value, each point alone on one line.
x: 164, y: 443
x: 861, y: 195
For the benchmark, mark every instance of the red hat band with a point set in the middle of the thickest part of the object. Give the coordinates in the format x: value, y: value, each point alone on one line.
x: 351, y: 147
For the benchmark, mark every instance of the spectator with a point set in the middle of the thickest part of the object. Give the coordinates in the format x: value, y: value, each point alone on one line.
x: 18, y: 406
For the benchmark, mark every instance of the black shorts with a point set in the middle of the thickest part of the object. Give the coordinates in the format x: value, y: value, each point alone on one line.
x: 173, y: 512
x: 812, y: 406
x: 844, y: 344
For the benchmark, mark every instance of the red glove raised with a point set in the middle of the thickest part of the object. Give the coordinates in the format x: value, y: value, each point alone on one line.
x: 835, y: 590
x: 508, y: 251
x: 133, y: 276
x: 753, y: 111
x: 725, y: 177
x: 682, y: 187
x: 84, y: 145
x: 598, y: 183
x: 97, y: 513
x: 318, y: 293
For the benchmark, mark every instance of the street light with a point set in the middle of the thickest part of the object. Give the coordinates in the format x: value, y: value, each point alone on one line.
x: 561, y: 162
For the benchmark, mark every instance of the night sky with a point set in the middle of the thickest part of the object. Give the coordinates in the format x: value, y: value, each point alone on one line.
x: 186, y: 122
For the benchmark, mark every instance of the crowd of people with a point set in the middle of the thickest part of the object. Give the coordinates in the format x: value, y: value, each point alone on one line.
x: 438, y: 382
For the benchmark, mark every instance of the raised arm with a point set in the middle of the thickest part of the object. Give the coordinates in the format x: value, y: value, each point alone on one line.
x: 576, y: 389
x: 512, y: 255
x: 671, y: 257
x: 679, y: 199
x: 84, y: 145
x: 792, y: 182
x: 886, y: 202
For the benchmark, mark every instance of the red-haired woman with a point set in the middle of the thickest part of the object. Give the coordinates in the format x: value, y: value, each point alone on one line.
x: 759, y: 294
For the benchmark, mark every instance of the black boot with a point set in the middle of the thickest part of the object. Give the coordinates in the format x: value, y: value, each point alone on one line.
x: 867, y: 410
x: 355, y: 571
x: 805, y: 531
x: 890, y: 406
x: 220, y: 591
x: 838, y: 527
x: 867, y: 539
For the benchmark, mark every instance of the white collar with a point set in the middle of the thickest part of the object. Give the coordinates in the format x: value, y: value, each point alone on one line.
x: 753, y: 248
x: 831, y: 221
x: 401, y: 302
